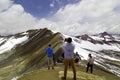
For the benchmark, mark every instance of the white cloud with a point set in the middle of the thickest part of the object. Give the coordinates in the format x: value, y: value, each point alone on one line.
x: 52, y: 5
x: 4, y: 4
x: 87, y: 16
x: 15, y: 19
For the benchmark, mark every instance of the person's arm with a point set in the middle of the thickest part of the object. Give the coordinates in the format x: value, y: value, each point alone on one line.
x: 88, y: 60
x: 79, y: 57
x: 46, y: 50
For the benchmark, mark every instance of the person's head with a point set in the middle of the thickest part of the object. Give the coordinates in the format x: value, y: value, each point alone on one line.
x: 69, y: 40
x: 76, y: 53
x: 49, y: 45
x: 89, y: 55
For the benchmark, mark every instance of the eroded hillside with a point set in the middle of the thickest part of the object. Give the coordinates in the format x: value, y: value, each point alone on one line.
x: 30, y: 54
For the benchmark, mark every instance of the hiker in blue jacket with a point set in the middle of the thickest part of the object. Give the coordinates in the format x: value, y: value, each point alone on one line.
x: 49, y: 52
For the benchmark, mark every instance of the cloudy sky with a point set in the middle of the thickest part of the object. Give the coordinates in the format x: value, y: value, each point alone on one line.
x: 71, y: 17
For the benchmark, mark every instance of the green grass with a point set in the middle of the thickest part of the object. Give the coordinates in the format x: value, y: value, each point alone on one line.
x: 57, y: 73
x: 81, y: 76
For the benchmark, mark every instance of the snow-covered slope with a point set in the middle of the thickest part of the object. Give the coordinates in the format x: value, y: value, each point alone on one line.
x: 8, y: 43
x: 106, y: 53
x: 83, y: 45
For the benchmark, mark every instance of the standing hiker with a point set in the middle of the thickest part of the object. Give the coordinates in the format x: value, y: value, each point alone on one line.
x: 77, y: 57
x: 49, y: 52
x: 90, y: 63
x: 69, y: 57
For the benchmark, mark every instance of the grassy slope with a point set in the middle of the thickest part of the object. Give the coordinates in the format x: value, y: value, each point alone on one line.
x: 45, y: 74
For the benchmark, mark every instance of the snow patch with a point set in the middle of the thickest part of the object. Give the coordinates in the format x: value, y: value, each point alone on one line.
x: 11, y: 42
x: 98, y: 47
x: 15, y: 78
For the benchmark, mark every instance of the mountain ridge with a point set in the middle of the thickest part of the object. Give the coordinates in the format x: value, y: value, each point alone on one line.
x: 29, y: 54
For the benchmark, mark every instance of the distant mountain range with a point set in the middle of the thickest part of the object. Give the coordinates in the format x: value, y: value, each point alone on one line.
x: 25, y: 52
x: 104, y: 47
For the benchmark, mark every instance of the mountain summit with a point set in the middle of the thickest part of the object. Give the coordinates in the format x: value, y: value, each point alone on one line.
x: 24, y: 53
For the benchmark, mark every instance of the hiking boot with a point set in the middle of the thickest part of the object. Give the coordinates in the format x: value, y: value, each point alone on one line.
x: 74, y: 78
x: 52, y: 67
x: 63, y: 78
x: 48, y: 68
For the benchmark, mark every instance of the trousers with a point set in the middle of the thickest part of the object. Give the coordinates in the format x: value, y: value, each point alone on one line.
x: 50, y: 62
x: 66, y: 64
x: 89, y: 66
